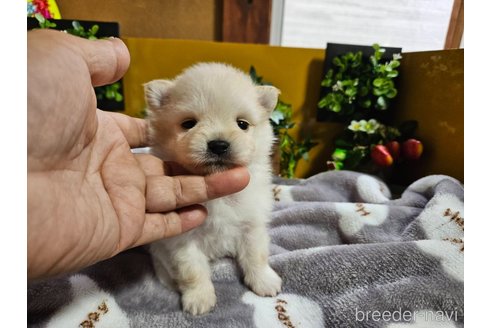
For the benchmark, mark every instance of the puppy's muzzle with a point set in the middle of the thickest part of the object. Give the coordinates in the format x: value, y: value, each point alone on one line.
x: 218, y: 147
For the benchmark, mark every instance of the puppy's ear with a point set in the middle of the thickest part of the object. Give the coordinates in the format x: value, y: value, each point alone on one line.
x: 156, y: 92
x: 267, y: 96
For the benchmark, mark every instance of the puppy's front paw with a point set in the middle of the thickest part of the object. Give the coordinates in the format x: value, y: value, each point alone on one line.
x: 199, y: 300
x: 264, y: 282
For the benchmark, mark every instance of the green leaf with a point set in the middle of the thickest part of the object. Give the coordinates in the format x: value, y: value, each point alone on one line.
x: 378, y: 82
x: 40, y: 18
x: 323, y: 103
x: 284, y: 142
x: 392, y: 74
x: 351, y: 91
x: 391, y: 93
x: 378, y: 92
x: 76, y: 25
x: 382, y: 103
x: 94, y: 29
x: 336, y: 107
x: 373, y: 61
x: 339, y: 154
x: 394, y: 64
x: 252, y: 73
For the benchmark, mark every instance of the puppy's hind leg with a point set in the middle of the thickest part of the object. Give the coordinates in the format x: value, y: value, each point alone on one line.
x: 252, y: 256
x: 191, y: 271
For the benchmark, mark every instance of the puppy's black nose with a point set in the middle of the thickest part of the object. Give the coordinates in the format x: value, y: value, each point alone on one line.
x: 218, y: 147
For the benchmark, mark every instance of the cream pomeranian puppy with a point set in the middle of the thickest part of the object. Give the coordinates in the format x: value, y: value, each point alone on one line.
x: 211, y: 118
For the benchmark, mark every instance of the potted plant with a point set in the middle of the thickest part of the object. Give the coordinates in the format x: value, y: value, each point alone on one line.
x: 357, y: 91
x: 289, y: 150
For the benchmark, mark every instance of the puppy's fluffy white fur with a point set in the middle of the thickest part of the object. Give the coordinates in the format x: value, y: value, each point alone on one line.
x: 212, y: 102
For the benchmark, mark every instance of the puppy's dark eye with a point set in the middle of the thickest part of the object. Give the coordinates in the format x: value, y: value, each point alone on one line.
x: 188, y: 124
x: 243, y: 125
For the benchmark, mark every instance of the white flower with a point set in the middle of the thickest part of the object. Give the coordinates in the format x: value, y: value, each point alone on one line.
x: 372, y: 126
x: 358, y: 126
x: 363, y: 125
x: 396, y: 56
x: 337, y: 86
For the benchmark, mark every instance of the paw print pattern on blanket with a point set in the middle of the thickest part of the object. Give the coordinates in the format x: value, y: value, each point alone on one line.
x: 284, y: 311
x: 354, y: 216
x: 442, y: 218
x: 282, y: 193
x: 371, y: 190
x: 91, y: 307
x: 443, y: 222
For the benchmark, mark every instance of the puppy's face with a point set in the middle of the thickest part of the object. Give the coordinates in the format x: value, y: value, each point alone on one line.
x: 210, y: 118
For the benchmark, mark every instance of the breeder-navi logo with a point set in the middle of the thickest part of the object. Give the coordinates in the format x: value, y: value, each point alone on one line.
x: 407, y: 316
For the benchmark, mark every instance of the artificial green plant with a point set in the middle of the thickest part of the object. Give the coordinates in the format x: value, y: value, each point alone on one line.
x: 360, y: 91
x: 291, y: 150
x: 358, y: 87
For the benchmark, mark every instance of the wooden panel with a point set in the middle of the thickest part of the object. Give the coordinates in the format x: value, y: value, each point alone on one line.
x: 456, y: 26
x: 191, y: 19
x: 246, y: 21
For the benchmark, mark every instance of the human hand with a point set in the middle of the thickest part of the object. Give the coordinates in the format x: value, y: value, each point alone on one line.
x: 89, y: 197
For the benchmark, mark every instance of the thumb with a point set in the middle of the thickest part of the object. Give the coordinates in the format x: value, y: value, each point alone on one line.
x: 106, y: 59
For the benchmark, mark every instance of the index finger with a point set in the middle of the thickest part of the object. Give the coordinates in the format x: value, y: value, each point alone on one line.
x: 134, y: 129
x: 165, y: 193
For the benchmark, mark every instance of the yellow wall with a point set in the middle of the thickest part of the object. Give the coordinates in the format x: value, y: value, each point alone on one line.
x: 431, y: 91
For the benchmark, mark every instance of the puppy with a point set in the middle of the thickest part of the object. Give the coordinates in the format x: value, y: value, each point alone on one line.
x: 211, y: 118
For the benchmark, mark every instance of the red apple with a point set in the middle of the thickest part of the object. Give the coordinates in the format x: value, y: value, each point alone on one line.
x: 412, y: 149
x: 394, y: 149
x: 381, y: 156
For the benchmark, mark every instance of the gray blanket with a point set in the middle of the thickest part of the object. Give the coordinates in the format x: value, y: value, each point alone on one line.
x: 349, y: 256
